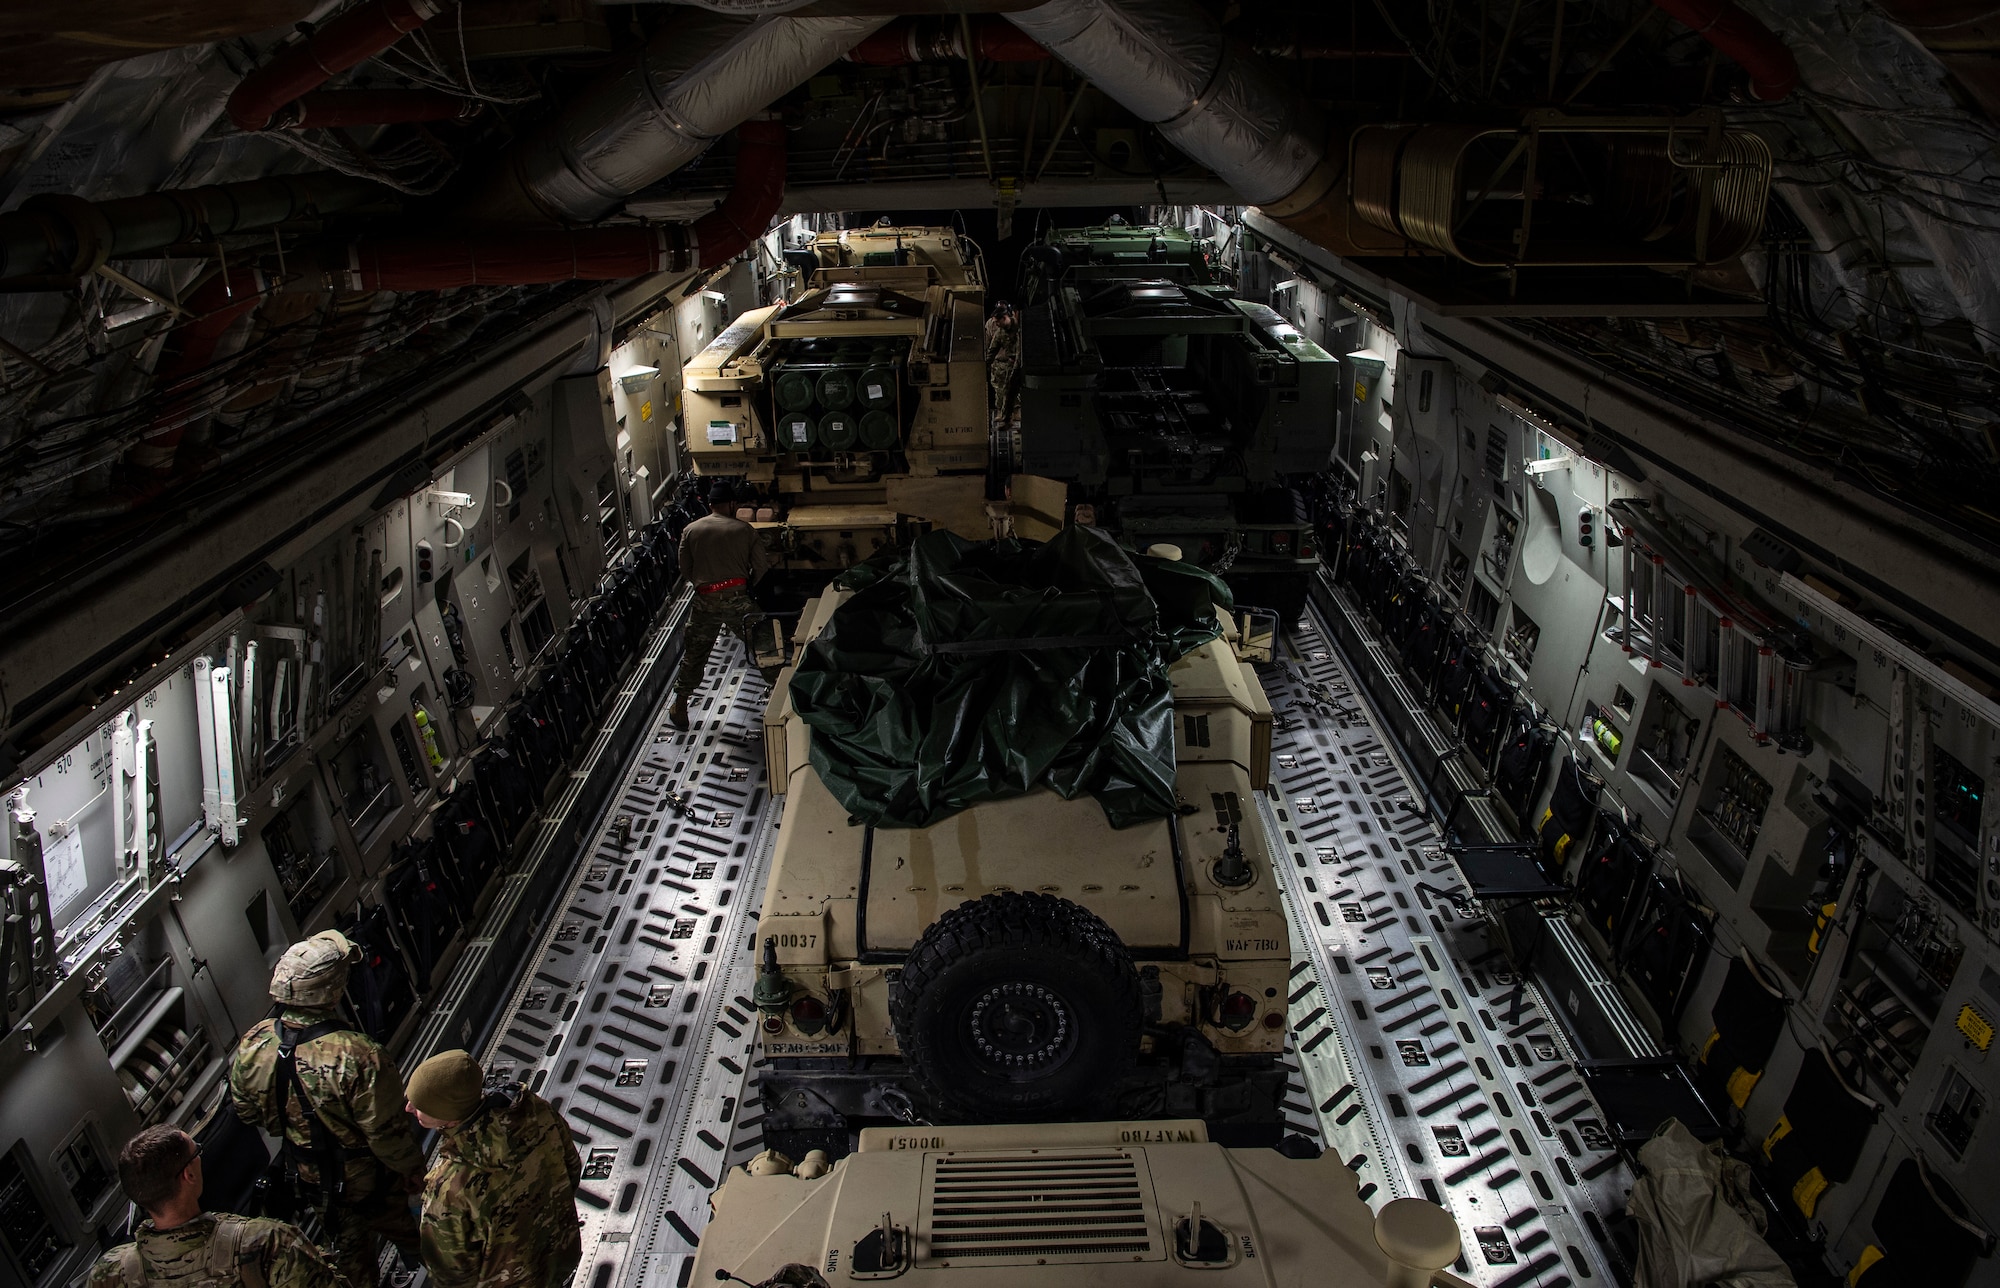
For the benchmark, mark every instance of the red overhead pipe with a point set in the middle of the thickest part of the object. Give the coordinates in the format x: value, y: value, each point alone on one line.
x: 330, y: 107
x: 216, y: 304
x: 923, y: 40
x: 347, y: 41
x: 753, y: 200
x: 510, y: 259
x: 531, y: 258
x: 1000, y: 41
x: 1774, y: 73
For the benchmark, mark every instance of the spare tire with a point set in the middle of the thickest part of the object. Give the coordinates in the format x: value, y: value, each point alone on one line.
x: 1018, y: 1006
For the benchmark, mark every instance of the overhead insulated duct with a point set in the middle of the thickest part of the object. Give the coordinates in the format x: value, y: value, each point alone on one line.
x: 59, y: 235
x: 532, y: 257
x: 697, y: 80
x: 1666, y: 192
x: 1774, y: 73
x: 927, y: 40
x: 347, y: 41
x: 746, y: 8
x: 1964, y: 35
x: 1167, y: 62
x: 1669, y: 191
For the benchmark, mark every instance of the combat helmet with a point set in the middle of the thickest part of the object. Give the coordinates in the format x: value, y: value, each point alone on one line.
x: 313, y: 972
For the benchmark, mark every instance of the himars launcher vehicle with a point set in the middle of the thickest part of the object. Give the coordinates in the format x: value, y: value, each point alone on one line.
x: 1182, y: 412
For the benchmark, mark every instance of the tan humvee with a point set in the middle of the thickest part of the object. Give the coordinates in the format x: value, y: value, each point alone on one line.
x: 1023, y: 959
x: 1070, y: 1204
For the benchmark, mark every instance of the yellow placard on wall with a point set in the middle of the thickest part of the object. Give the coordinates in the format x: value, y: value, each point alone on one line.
x: 1976, y: 1027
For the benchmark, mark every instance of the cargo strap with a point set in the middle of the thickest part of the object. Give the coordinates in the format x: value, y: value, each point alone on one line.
x: 329, y: 1156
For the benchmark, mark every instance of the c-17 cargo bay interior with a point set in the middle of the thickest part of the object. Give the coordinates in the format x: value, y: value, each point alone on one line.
x: 1470, y: 533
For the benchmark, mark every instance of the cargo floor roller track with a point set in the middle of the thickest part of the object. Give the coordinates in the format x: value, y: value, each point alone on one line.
x: 1413, y: 1052
x: 635, y: 1016
x: 1433, y: 1069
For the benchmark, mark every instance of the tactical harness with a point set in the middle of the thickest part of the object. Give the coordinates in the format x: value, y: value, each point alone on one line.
x: 226, y: 1262
x: 281, y: 1184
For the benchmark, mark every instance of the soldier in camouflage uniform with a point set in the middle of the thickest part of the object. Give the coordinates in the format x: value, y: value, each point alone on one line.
x: 354, y: 1087
x: 723, y: 556
x: 1003, y: 362
x: 180, y: 1246
x: 499, y: 1203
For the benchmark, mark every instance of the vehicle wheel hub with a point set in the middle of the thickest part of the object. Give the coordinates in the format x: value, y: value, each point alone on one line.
x: 1021, y: 1027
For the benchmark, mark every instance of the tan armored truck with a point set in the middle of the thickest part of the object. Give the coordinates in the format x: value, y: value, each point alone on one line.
x: 1023, y: 959
x: 860, y: 407
x: 1065, y: 1205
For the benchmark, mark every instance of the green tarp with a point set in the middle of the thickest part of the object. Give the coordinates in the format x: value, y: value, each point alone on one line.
x: 965, y: 671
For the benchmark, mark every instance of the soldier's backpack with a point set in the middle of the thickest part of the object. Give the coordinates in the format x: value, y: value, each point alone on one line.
x: 225, y: 1267
x: 233, y: 1157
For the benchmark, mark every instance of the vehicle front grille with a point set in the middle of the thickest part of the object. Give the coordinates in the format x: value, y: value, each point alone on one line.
x: 1088, y: 1205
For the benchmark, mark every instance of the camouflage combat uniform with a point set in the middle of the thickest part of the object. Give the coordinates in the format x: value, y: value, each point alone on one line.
x: 358, y: 1093
x: 715, y: 549
x: 1003, y: 365
x: 216, y: 1252
x: 499, y: 1203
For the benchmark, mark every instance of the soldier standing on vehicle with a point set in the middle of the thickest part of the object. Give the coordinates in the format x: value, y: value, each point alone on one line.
x: 180, y: 1246
x: 1003, y: 361
x: 722, y: 556
x: 500, y: 1200
x: 355, y: 1155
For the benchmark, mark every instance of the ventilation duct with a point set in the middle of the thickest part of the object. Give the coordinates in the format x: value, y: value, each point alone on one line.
x: 1678, y: 191
x: 1964, y: 35
x: 746, y: 8
x: 66, y: 236
x: 532, y: 257
x: 1665, y: 192
x: 1166, y: 61
x: 700, y: 78
x: 929, y: 40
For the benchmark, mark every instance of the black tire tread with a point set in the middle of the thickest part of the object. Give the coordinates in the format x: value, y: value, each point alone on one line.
x: 1008, y: 919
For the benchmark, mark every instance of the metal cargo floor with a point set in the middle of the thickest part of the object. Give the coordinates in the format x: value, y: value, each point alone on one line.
x: 1413, y: 1052
x: 1433, y: 1069
x: 635, y: 1018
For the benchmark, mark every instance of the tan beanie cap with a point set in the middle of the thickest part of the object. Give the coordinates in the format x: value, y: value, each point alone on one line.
x: 448, y: 1086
